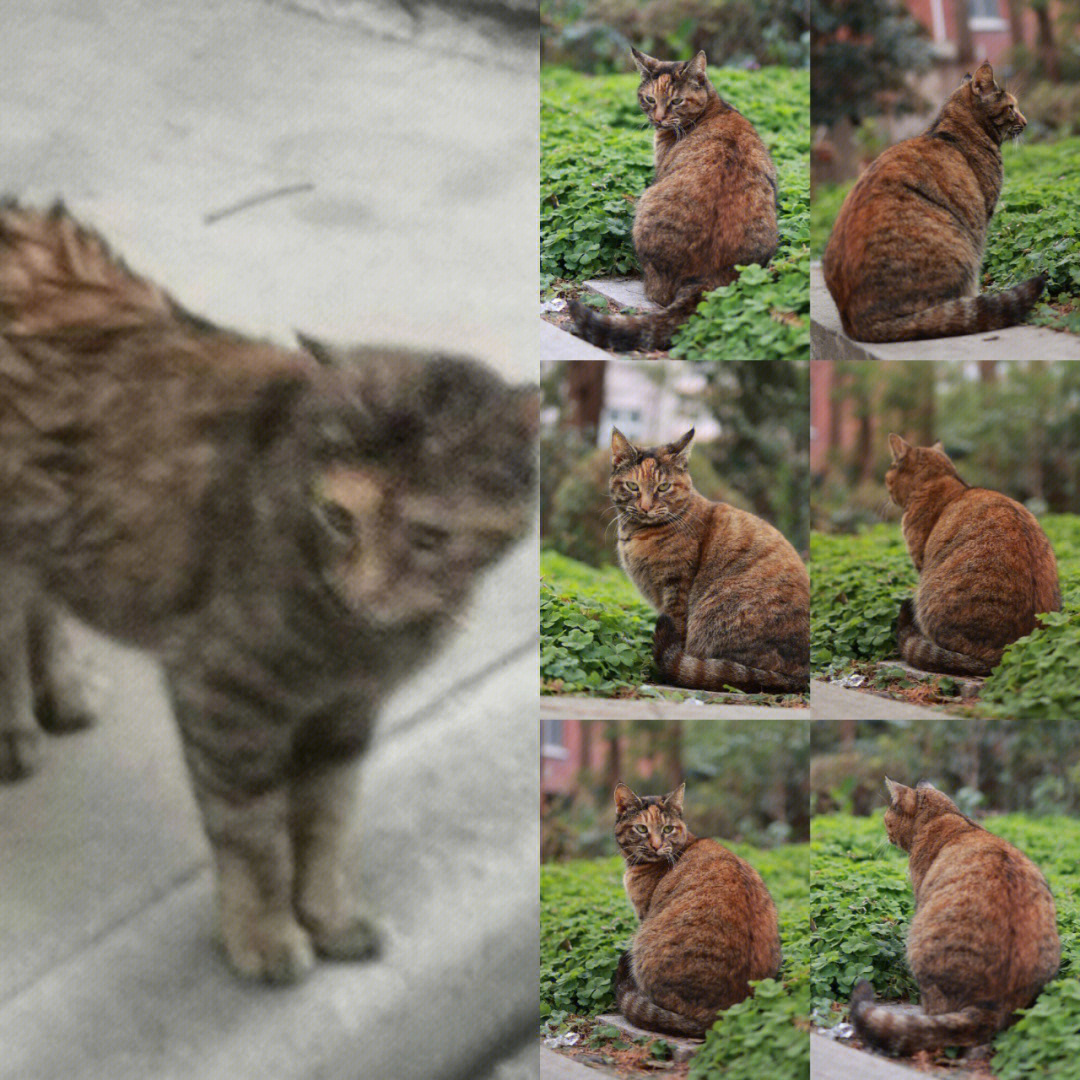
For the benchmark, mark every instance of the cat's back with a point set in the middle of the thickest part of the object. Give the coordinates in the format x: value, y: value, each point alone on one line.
x: 720, y: 146
x: 740, y: 541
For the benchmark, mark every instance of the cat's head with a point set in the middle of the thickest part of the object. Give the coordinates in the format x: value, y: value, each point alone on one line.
x: 672, y: 95
x: 650, y: 828
x: 995, y: 110
x: 911, y: 809
x: 425, y: 474
x: 913, y: 467
x: 650, y: 485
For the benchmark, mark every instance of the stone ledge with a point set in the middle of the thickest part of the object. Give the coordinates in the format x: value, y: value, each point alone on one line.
x: 556, y: 344
x: 829, y: 342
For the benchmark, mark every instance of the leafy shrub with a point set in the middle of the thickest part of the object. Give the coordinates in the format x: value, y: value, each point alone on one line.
x: 595, y: 631
x: 1036, y: 227
x: 586, y: 922
x: 858, y: 582
x: 861, y: 906
x: 596, y: 159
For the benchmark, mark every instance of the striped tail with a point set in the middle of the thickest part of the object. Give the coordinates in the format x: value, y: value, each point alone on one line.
x: 681, y: 669
x: 628, y: 332
x: 919, y: 651
x: 965, y: 315
x: 55, y: 275
x: 903, y: 1031
x: 639, y: 1009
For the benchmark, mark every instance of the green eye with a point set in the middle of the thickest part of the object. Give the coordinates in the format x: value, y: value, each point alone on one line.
x: 662, y: 487
x: 676, y: 101
x: 668, y: 829
x: 631, y: 485
x: 651, y: 101
x: 641, y: 829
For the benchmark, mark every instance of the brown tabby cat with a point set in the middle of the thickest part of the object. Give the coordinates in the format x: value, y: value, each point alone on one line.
x: 984, y: 938
x: 711, y: 206
x: 708, y: 924
x: 290, y: 538
x: 904, y: 256
x: 733, y: 595
x: 986, y: 568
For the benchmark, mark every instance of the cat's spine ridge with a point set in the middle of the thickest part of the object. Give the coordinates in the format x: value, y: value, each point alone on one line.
x: 626, y: 333
x: 695, y: 673
x: 902, y: 1032
x: 56, y: 274
x: 640, y: 1009
x: 965, y: 315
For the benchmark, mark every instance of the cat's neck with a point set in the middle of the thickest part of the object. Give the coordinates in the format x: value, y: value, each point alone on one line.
x: 641, y: 879
x: 664, y: 139
x: 960, y: 129
x: 923, y: 509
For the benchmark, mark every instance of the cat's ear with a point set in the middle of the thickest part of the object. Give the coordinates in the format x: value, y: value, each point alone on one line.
x: 983, y: 81
x: 625, y: 799
x: 680, y: 449
x: 939, y: 446
x: 645, y: 64
x: 926, y: 784
x: 674, y: 799
x: 621, y: 449
x: 901, y: 797
x: 898, y: 447
x: 966, y: 79
x: 695, y: 69
x: 322, y: 352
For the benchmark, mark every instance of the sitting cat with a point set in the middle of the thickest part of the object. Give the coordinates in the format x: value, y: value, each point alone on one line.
x: 711, y: 206
x: 905, y: 252
x: 983, y: 941
x: 733, y: 594
x: 707, y: 923
x: 986, y: 568
x: 291, y: 534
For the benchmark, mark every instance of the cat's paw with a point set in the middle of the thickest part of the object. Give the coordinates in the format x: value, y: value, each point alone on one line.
x: 357, y: 940
x: 276, y: 950
x: 20, y: 753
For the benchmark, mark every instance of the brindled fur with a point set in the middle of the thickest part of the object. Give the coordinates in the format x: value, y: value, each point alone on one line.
x: 904, y: 257
x: 290, y: 532
x: 707, y: 923
x: 711, y: 206
x: 986, y: 568
x: 732, y: 593
x: 983, y: 941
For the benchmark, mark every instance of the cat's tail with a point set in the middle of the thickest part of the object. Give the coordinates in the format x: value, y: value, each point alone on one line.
x: 902, y: 1031
x: 55, y: 274
x: 626, y: 333
x: 964, y: 315
x: 681, y: 669
x: 640, y: 1009
x: 919, y: 651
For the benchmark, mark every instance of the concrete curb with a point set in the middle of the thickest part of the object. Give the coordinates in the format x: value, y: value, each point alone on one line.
x: 559, y: 707
x: 831, y: 702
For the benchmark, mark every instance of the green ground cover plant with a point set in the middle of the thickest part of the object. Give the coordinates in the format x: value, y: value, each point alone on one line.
x: 1035, y: 228
x: 858, y: 582
x: 861, y: 905
x: 586, y: 922
x: 596, y: 159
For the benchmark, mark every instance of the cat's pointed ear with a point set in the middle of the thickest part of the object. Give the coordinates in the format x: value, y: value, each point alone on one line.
x: 966, y: 79
x: 680, y: 448
x: 695, y: 69
x: 894, y: 789
x: 898, y: 447
x: 901, y: 797
x: 621, y: 449
x: 318, y: 349
x: 926, y: 784
x: 673, y: 800
x: 625, y: 799
x: 983, y: 81
x: 645, y: 64
x: 939, y: 446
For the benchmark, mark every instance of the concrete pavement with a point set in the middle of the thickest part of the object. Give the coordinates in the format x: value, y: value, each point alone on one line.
x: 831, y: 702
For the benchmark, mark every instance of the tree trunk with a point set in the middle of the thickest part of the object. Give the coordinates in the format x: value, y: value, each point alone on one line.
x: 584, y: 396
x: 1016, y: 21
x: 1048, y: 50
x: 965, y: 45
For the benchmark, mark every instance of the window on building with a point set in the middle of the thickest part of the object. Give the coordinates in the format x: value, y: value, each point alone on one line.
x: 552, y: 744
x: 986, y: 15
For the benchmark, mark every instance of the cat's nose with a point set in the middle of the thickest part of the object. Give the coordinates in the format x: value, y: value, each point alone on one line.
x: 658, y: 115
x: 1021, y: 120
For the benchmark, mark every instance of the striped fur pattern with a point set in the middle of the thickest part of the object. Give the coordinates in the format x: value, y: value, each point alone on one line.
x: 732, y: 593
x: 986, y: 568
x: 904, y: 257
x: 983, y: 941
x: 707, y: 923
x: 290, y: 537
x: 711, y: 206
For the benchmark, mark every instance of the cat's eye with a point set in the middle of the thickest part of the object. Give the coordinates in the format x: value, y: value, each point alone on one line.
x: 668, y: 829
x: 663, y: 487
x: 427, y: 537
x: 676, y: 101
x: 631, y: 485
x: 643, y: 829
x: 650, y: 100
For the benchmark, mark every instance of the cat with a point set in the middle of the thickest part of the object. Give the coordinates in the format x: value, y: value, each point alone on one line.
x: 983, y: 941
x: 707, y: 928
x: 904, y: 256
x: 733, y: 594
x: 290, y: 532
x: 986, y: 568
x: 711, y: 206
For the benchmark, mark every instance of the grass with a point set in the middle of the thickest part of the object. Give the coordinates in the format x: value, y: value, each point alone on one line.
x: 861, y: 906
x: 596, y: 159
x: 586, y: 922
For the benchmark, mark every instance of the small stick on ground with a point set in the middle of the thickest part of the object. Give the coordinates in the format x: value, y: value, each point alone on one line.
x: 255, y: 200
